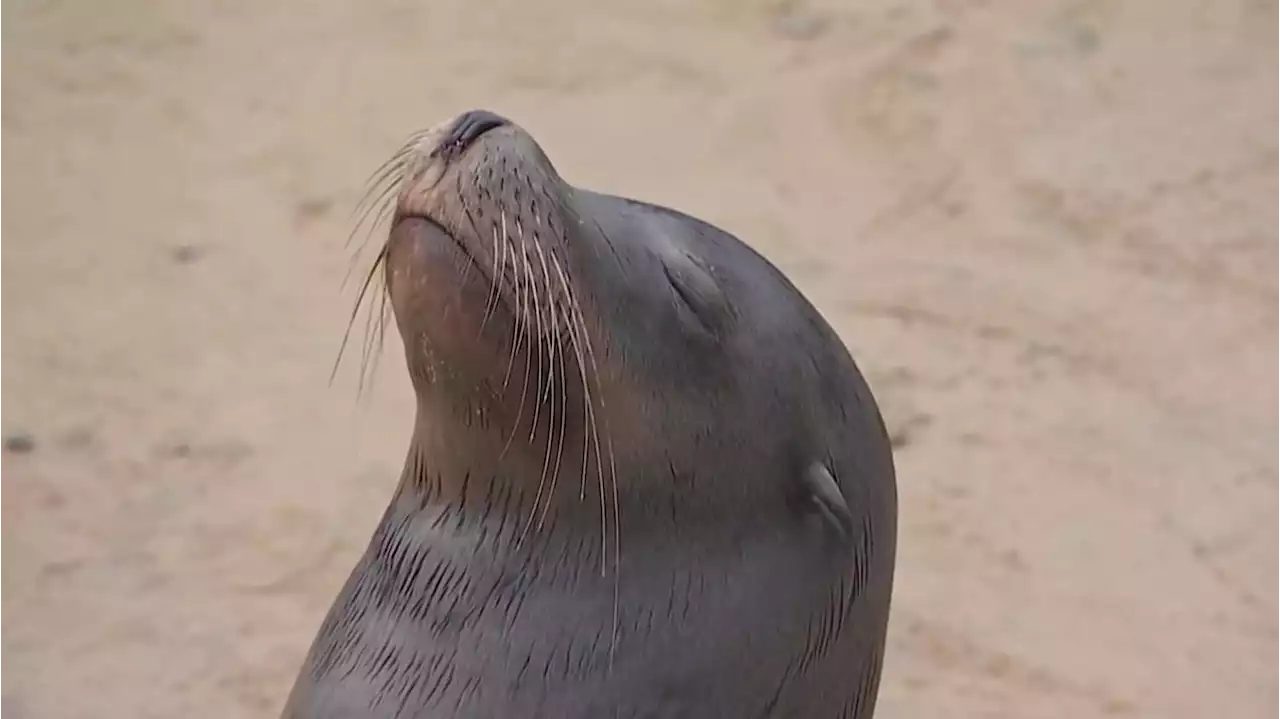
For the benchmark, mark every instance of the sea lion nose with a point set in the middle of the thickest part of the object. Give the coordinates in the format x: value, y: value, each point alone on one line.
x: 467, y: 129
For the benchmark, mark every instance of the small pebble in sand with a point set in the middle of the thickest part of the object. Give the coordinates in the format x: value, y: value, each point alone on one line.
x: 19, y: 443
x: 186, y: 254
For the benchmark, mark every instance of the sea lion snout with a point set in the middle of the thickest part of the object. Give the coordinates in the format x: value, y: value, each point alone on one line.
x: 466, y: 129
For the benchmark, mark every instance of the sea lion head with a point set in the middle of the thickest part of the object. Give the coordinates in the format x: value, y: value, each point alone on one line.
x: 592, y: 353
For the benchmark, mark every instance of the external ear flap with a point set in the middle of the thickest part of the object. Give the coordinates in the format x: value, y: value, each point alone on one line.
x: 825, y: 494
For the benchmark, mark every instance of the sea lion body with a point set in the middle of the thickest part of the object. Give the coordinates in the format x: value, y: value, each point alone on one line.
x: 679, y: 503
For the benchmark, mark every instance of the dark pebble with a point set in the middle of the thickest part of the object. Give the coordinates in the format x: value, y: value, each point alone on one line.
x: 900, y: 438
x: 187, y: 254
x: 19, y: 443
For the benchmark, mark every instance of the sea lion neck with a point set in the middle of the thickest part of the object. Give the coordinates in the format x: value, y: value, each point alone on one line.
x: 466, y: 452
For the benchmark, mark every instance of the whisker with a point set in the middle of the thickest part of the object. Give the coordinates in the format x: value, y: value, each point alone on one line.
x: 545, y: 351
x: 523, y: 295
x: 369, y: 337
x: 392, y: 169
x: 613, y: 477
x: 550, y: 338
x: 493, y: 283
x: 564, y: 403
x: 466, y: 211
x: 540, y: 336
x: 519, y: 293
x: 385, y: 201
x: 577, y: 334
x: 355, y: 311
x: 383, y: 317
x: 390, y: 176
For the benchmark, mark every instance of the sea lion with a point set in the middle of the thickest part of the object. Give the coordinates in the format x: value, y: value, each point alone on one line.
x: 646, y: 478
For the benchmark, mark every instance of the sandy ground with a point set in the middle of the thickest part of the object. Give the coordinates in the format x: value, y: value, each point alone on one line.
x: 1046, y: 229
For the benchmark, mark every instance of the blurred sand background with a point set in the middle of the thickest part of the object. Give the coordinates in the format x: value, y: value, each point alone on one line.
x: 1046, y: 229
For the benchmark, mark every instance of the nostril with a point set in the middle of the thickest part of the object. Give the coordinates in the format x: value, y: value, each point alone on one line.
x: 467, y: 129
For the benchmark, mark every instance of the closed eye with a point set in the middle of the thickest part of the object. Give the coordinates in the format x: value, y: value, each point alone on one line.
x: 699, y: 295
